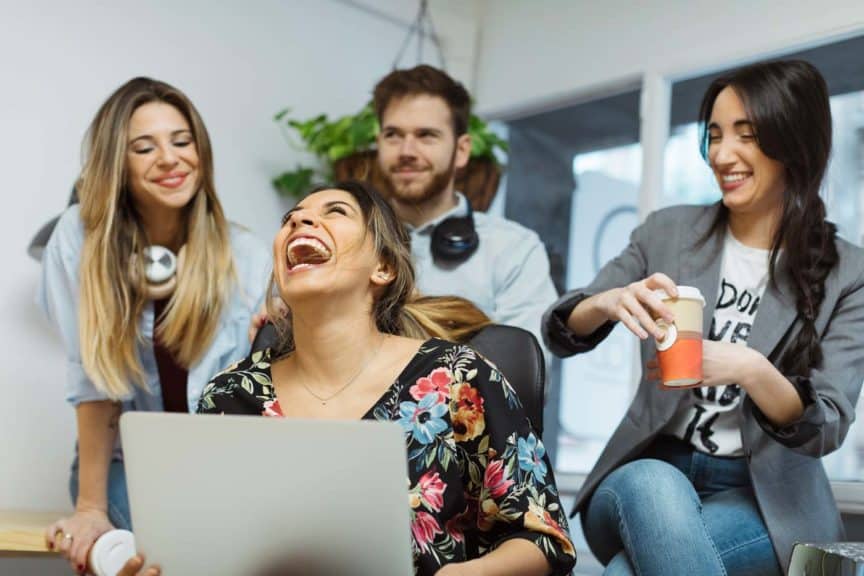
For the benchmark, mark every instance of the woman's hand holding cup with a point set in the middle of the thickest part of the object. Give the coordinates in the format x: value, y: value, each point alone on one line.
x: 679, y: 352
x: 636, y: 305
x: 72, y: 537
x: 724, y: 363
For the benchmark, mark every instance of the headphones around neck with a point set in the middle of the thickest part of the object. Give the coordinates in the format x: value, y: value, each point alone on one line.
x: 455, y: 238
x: 161, y: 265
x: 161, y: 268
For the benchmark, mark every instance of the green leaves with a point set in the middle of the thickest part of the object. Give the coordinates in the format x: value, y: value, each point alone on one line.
x: 295, y: 182
x: 483, y: 141
x: 246, y: 384
x: 335, y: 139
x: 483, y: 446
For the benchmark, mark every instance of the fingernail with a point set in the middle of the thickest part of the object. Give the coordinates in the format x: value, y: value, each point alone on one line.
x: 81, y: 568
x: 50, y: 545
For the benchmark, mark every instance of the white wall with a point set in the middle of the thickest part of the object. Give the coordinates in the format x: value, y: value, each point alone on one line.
x: 533, y: 54
x: 240, y: 62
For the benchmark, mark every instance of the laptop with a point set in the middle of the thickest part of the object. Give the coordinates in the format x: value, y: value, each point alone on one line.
x: 229, y: 495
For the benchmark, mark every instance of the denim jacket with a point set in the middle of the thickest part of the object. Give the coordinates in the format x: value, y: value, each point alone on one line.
x: 58, y: 296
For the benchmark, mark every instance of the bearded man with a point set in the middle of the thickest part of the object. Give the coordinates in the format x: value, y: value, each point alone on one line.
x: 496, y: 263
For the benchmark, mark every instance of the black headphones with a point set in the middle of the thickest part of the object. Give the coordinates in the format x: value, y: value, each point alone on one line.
x: 455, y: 238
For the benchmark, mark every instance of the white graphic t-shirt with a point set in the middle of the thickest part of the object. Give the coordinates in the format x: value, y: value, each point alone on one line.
x: 709, y: 421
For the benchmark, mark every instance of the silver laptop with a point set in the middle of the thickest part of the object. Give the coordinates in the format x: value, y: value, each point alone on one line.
x: 229, y: 495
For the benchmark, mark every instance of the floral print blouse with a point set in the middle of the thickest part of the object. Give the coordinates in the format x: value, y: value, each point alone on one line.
x: 478, y: 474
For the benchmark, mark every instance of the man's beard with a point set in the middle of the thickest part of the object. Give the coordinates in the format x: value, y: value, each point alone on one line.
x: 412, y: 196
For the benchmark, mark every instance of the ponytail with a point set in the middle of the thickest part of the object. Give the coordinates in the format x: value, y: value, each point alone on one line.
x: 446, y: 317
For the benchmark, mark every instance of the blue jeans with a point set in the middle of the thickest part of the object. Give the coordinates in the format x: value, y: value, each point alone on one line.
x: 118, y: 500
x: 679, y: 511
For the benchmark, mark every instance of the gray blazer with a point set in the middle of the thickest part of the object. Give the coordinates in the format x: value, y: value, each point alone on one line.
x: 788, y: 478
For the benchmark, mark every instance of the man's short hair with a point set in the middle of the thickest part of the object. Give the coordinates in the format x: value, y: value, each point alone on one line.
x: 425, y: 80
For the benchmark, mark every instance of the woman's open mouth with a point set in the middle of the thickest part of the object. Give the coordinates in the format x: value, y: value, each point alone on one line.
x: 306, y: 252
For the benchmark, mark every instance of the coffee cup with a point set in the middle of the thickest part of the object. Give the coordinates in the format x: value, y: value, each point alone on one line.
x: 679, y: 352
x: 110, y: 552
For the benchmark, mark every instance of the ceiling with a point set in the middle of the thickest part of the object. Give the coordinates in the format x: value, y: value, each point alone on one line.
x: 614, y: 120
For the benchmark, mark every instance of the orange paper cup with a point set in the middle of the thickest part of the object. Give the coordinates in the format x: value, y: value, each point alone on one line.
x: 679, y: 353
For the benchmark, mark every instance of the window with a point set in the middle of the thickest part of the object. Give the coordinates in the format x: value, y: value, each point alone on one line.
x: 583, y: 160
x: 596, y: 388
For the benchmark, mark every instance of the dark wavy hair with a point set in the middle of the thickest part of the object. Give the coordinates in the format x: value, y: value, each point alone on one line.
x: 787, y: 105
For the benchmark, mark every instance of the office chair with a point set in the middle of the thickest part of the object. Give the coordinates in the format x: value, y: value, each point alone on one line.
x: 513, y: 350
x: 518, y: 356
x: 40, y: 240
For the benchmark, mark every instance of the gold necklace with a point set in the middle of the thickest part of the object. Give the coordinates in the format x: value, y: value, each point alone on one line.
x: 325, y: 399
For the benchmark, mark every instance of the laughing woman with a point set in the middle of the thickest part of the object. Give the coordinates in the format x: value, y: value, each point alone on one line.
x: 150, y: 286
x: 725, y: 478
x: 483, y: 499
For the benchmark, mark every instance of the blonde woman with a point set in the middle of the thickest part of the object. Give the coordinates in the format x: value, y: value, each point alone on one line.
x: 150, y: 286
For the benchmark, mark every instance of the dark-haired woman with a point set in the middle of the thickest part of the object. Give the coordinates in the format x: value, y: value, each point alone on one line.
x: 726, y: 477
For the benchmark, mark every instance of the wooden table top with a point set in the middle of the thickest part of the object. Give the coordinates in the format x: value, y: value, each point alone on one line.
x: 21, y: 531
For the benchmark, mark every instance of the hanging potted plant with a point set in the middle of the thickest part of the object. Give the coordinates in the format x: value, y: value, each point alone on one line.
x: 345, y: 149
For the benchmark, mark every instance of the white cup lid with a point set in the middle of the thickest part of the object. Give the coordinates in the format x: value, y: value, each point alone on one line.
x: 684, y: 292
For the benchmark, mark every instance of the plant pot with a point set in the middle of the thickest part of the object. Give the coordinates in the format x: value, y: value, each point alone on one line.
x: 478, y: 180
x: 360, y: 166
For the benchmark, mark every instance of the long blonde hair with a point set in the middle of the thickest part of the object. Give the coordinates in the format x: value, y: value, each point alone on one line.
x: 399, y: 309
x: 111, y: 302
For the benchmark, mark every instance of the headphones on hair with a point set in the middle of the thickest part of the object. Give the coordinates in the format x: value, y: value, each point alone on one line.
x: 455, y: 239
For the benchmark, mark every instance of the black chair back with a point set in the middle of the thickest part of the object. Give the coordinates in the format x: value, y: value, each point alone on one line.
x: 518, y: 356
